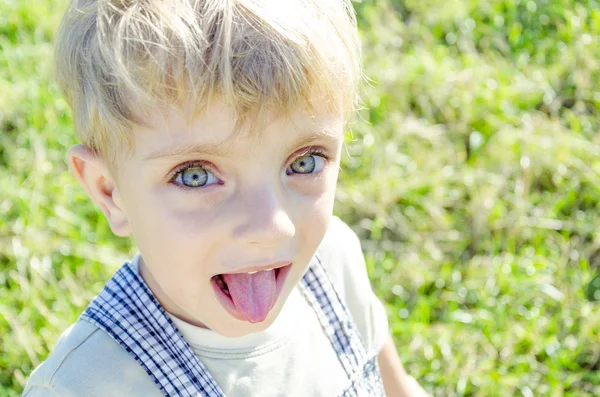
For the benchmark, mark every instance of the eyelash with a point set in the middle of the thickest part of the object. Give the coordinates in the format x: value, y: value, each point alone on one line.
x: 195, y: 163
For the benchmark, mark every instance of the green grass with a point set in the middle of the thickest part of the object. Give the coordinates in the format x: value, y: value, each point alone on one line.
x: 472, y: 178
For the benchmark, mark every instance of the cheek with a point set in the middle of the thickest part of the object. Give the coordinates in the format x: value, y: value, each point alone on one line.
x: 322, y: 184
x: 167, y: 233
x: 313, y: 218
x: 167, y: 211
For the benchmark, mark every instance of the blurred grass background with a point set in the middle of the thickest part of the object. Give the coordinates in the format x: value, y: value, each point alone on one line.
x: 472, y: 178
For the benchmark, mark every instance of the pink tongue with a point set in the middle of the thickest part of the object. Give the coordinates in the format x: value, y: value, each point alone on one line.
x: 252, y: 294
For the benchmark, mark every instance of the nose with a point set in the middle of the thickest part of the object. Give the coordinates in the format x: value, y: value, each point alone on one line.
x: 265, y: 219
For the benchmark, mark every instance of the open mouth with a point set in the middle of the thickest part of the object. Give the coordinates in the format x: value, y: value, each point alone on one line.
x: 250, y: 296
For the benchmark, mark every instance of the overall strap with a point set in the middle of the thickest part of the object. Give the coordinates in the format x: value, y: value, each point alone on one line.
x: 128, y: 311
x: 334, y: 317
x: 336, y: 321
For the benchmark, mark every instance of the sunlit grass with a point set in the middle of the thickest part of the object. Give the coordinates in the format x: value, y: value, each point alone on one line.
x: 472, y: 178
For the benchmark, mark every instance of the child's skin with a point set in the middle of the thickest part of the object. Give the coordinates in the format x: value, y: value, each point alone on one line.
x: 249, y: 213
x: 263, y: 199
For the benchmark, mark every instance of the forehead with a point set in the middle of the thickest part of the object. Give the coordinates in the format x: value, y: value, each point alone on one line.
x: 217, y: 130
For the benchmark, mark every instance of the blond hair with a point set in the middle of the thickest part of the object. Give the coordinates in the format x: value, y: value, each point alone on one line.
x: 117, y: 59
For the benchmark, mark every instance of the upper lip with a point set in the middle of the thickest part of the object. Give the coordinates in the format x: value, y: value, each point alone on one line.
x: 258, y: 268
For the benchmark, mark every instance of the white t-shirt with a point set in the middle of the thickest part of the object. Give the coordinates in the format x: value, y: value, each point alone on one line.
x: 293, y: 357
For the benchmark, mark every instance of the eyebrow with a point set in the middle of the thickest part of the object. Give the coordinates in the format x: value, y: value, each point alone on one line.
x: 224, y: 148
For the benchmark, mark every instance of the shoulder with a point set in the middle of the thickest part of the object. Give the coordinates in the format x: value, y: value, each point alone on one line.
x: 341, y: 254
x: 342, y: 257
x: 86, y: 361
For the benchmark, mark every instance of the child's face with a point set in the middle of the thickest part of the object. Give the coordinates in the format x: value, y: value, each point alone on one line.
x: 259, y: 202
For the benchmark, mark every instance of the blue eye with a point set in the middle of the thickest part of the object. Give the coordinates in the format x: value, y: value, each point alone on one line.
x: 194, y: 176
x: 308, y: 164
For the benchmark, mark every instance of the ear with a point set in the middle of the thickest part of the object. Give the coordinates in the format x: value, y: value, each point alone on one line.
x: 92, y: 173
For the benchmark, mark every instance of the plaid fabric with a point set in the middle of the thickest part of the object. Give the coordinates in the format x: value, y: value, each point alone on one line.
x: 336, y: 321
x: 131, y: 315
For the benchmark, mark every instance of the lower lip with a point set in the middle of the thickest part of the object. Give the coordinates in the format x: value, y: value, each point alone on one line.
x: 227, y: 302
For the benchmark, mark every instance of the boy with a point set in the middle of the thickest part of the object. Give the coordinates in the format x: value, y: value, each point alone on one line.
x: 212, y: 133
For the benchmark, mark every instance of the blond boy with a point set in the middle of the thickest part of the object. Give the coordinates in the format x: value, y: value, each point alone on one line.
x: 212, y: 132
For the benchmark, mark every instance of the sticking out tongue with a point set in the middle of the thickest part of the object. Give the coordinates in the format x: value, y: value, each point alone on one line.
x: 252, y: 294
